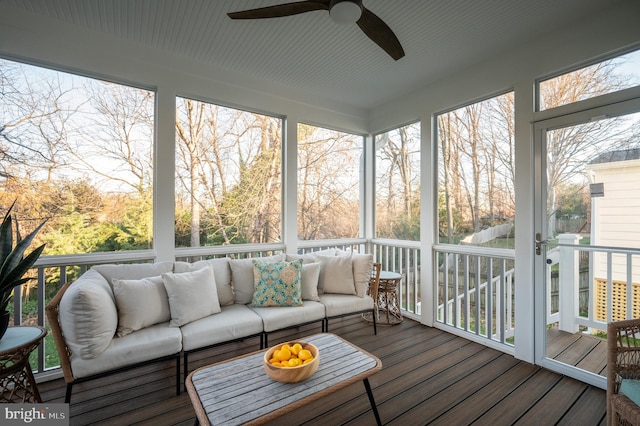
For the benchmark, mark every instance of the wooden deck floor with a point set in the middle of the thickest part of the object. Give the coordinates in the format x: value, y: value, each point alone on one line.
x: 578, y: 349
x: 428, y: 377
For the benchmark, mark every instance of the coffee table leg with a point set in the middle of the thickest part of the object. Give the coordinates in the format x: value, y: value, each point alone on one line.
x: 372, y: 400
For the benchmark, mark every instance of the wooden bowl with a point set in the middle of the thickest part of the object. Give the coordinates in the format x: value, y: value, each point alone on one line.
x: 292, y: 374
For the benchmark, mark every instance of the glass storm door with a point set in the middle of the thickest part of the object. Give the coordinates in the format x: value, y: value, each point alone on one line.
x: 587, y: 232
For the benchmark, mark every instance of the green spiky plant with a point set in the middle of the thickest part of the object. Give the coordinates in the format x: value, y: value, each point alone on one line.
x: 13, y: 263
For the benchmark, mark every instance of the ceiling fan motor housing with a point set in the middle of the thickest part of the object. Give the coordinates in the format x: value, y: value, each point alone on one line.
x: 345, y: 11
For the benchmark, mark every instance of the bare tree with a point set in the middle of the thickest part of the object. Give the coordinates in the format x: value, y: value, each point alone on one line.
x: 33, y: 120
x: 397, y: 169
x: 328, y: 183
x: 228, y: 166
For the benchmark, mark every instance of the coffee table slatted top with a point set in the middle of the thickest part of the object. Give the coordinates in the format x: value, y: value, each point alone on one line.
x: 238, y: 391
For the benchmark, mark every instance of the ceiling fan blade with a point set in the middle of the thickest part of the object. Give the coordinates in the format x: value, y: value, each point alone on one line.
x: 280, y: 10
x: 376, y: 29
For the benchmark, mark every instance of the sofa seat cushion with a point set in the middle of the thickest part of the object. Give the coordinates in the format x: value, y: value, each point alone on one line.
x: 341, y: 304
x: 631, y: 388
x: 233, y: 322
x: 88, y: 316
x: 276, y: 318
x: 143, y: 345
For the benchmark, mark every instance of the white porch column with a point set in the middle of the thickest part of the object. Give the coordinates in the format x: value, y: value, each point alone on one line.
x: 569, y: 283
x: 290, y: 191
x: 164, y: 175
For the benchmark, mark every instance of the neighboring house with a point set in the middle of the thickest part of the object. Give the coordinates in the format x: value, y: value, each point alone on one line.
x: 615, y: 214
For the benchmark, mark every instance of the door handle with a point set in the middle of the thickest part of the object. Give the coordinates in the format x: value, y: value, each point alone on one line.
x: 539, y: 243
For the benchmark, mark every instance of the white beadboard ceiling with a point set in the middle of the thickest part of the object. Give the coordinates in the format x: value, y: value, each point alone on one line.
x: 314, y: 55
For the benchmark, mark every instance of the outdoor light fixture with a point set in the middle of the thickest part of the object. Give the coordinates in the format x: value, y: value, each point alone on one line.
x: 345, y: 11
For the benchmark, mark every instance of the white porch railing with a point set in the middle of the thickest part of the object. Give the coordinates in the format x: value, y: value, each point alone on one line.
x: 475, y: 292
x: 404, y: 258
x: 475, y: 296
x: 595, y: 285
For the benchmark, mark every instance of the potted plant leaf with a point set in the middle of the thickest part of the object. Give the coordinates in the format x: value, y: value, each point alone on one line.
x: 13, y: 263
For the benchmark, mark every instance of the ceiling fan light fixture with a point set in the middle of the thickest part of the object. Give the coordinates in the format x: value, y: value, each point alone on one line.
x: 345, y: 11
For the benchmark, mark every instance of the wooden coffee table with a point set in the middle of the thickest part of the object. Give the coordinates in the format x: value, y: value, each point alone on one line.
x: 238, y: 391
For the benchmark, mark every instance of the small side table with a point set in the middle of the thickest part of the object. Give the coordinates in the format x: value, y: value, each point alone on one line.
x: 16, y: 378
x: 388, y: 306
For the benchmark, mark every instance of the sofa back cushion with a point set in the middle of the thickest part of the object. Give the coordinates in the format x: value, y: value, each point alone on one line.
x: 242, y: 276
x: 310, y: 257
x: 88, y: 316
x: 140, y: 304
x: 221, y: 272
x: 133, y: 271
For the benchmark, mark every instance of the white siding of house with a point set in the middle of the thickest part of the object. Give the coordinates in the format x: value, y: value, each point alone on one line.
x: 616, y: 216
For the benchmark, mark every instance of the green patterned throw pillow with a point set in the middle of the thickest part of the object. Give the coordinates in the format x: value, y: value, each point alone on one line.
x: 277, y: 283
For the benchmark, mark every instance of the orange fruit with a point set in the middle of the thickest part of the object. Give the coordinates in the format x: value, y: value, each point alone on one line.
x: 284, y: 355
x: 305, y: 354
x: 294, y: 362
x: 296, y: 348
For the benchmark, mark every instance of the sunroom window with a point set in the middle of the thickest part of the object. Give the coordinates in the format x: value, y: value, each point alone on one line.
x: 228, y: 175
x: 476, y: 200
x: 398, y: 183
x: 604, y: 77
x: 329, y: 170
x: 78, y: 152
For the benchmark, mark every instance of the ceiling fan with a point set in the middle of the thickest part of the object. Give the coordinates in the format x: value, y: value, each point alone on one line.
x: 341, y: 11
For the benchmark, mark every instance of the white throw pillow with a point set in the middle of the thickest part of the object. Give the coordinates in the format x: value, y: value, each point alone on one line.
x: 192, y: 295
x: 362, y: 266
x: 242, y: 276
x: 336, y: 275
x: 221, y: 272
x: 140, y: 303
x: 310, y: 278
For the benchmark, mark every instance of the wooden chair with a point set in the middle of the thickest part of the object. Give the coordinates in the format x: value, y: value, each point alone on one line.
x: 623, y: 362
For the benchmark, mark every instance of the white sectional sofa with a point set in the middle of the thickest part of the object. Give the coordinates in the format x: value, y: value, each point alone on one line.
x: 117, y: 317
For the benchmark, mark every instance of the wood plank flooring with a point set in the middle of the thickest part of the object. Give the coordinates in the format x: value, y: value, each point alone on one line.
x: 582, y: 350
x: 428, y: 377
